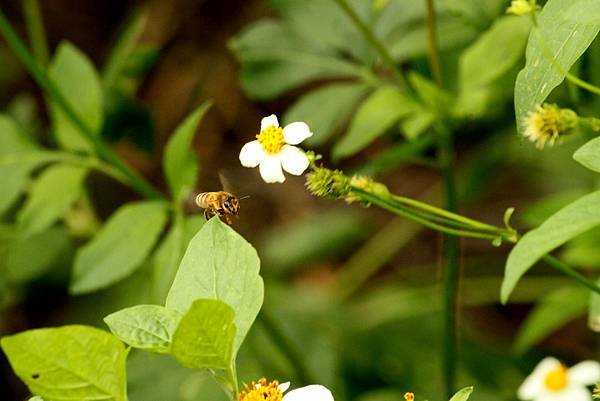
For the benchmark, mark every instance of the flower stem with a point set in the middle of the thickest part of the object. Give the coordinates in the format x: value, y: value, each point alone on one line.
x: 35, y: 30
x: 104, y: 151
x: 374, y: 41
x: 432, y: 44
x: 568, y: 271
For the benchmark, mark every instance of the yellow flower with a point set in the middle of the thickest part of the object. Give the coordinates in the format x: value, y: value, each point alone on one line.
x: 547, y: 122
x: 273, y: 391
x: 519, y: 7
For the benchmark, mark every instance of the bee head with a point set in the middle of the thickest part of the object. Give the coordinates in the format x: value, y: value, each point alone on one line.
x: 231, y: 205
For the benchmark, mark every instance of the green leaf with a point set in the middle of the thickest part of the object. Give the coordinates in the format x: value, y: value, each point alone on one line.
x: 46, y: 204
x: 205, y: 335
x: 180, y: 163
x: 567, y: 223
x: 325, y: 109
x: 566, y: 41
x: 594, y: 314
x: 14, y: 176
x: 119, y: 247
x: 77, y: 80
x: 220, y: 264
x: 589, y: 155
x: 25, y: 258
x: 274, y: 59
x: 462, y: 394
x: 69, y: 363
x: 376, y: 114
x: 168, y: 255
x: 494, y: 53
x: 584, y: 12
x: 551, y: 313
x: 148, y: 327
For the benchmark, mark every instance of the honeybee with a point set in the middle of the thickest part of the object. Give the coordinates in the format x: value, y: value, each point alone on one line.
x: 219, y: 203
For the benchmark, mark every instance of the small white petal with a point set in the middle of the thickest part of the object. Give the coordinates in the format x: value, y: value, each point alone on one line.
x: 571, y: 393
x: 314, y: 392
x: 295, y: 133
x: 270, y: 169
x: 293, y: 159
x: 534, y: 383
x: 268, y: 121
x: 283, y: 387
x: 252, y: 154
x: 585, y: 373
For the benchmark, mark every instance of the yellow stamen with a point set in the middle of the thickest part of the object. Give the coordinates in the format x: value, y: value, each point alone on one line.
x: 557, y: 379
x: 409, y: 396
x: 271, y: 139
x: 262, y: 391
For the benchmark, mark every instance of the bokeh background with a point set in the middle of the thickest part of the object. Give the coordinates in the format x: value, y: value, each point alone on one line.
x: 353, y: 292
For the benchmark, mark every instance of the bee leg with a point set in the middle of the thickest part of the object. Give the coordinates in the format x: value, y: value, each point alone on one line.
x: 208, y: 214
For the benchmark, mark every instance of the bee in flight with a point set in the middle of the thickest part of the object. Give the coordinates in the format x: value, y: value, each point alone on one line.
x: 219, y: 203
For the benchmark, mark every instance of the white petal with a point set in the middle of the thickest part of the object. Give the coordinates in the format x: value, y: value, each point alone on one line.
x: 283, y: 387
x: 270, y: 169
x: 293, y: 159
x: 268, y: 121
x: 585, y: 373
x: 533, y: 385
x: 314, y: 392
x: 571, y: 393
x: 295, y: 133
x: 252, y: 154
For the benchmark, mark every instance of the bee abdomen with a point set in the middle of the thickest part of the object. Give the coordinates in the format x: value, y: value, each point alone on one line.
x: 202, y: 199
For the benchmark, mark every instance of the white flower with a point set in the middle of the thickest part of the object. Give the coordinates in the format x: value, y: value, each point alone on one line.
x: 273, y: 149
x: 273, y: 391
x: 552, y: 381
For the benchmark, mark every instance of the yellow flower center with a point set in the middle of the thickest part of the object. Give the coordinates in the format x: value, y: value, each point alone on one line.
x: 409, y: 396
x: 262, y: 391
x: 557, y: 379
x: 271, y: 139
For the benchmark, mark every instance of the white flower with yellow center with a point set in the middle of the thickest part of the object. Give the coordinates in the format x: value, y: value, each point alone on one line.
x: 273, y: 391
x: 273, y: 149
x: 552, y: 381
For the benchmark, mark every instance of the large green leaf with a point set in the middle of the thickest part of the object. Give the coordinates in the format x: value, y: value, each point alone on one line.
x: 220, y: 264
x: 551, y: 312
x: 565, y: 39
x: 594, y: 314
x: 180, y: 163
x: 205, y: 335
x: 119, y: 247
x: 570, y: 221
x: 13, y: 176
x: 584, y: 12
x: 376, y: 114
x: 589, y: 155
x: 46, y: 204
x: 69, y: 363
x: 148, y: 327
x: 78, y: 82
x: 325, y: 109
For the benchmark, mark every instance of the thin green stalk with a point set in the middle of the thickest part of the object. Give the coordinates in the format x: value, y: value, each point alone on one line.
x: 452, y: 268
x: 104, y: 151
x: 286, y: 345
x: 375, y: 200
x: 35, y: 30
x: 568, y: 271
x: 432, y: 44
x: 374, y: 41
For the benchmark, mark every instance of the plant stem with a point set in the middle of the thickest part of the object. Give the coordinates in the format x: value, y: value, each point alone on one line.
x: 374, y: 41
x: 104, y: 151
x: 35, y: 30
x: 568, y: 271
x: 432, y: 44
x: 286, y: 345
